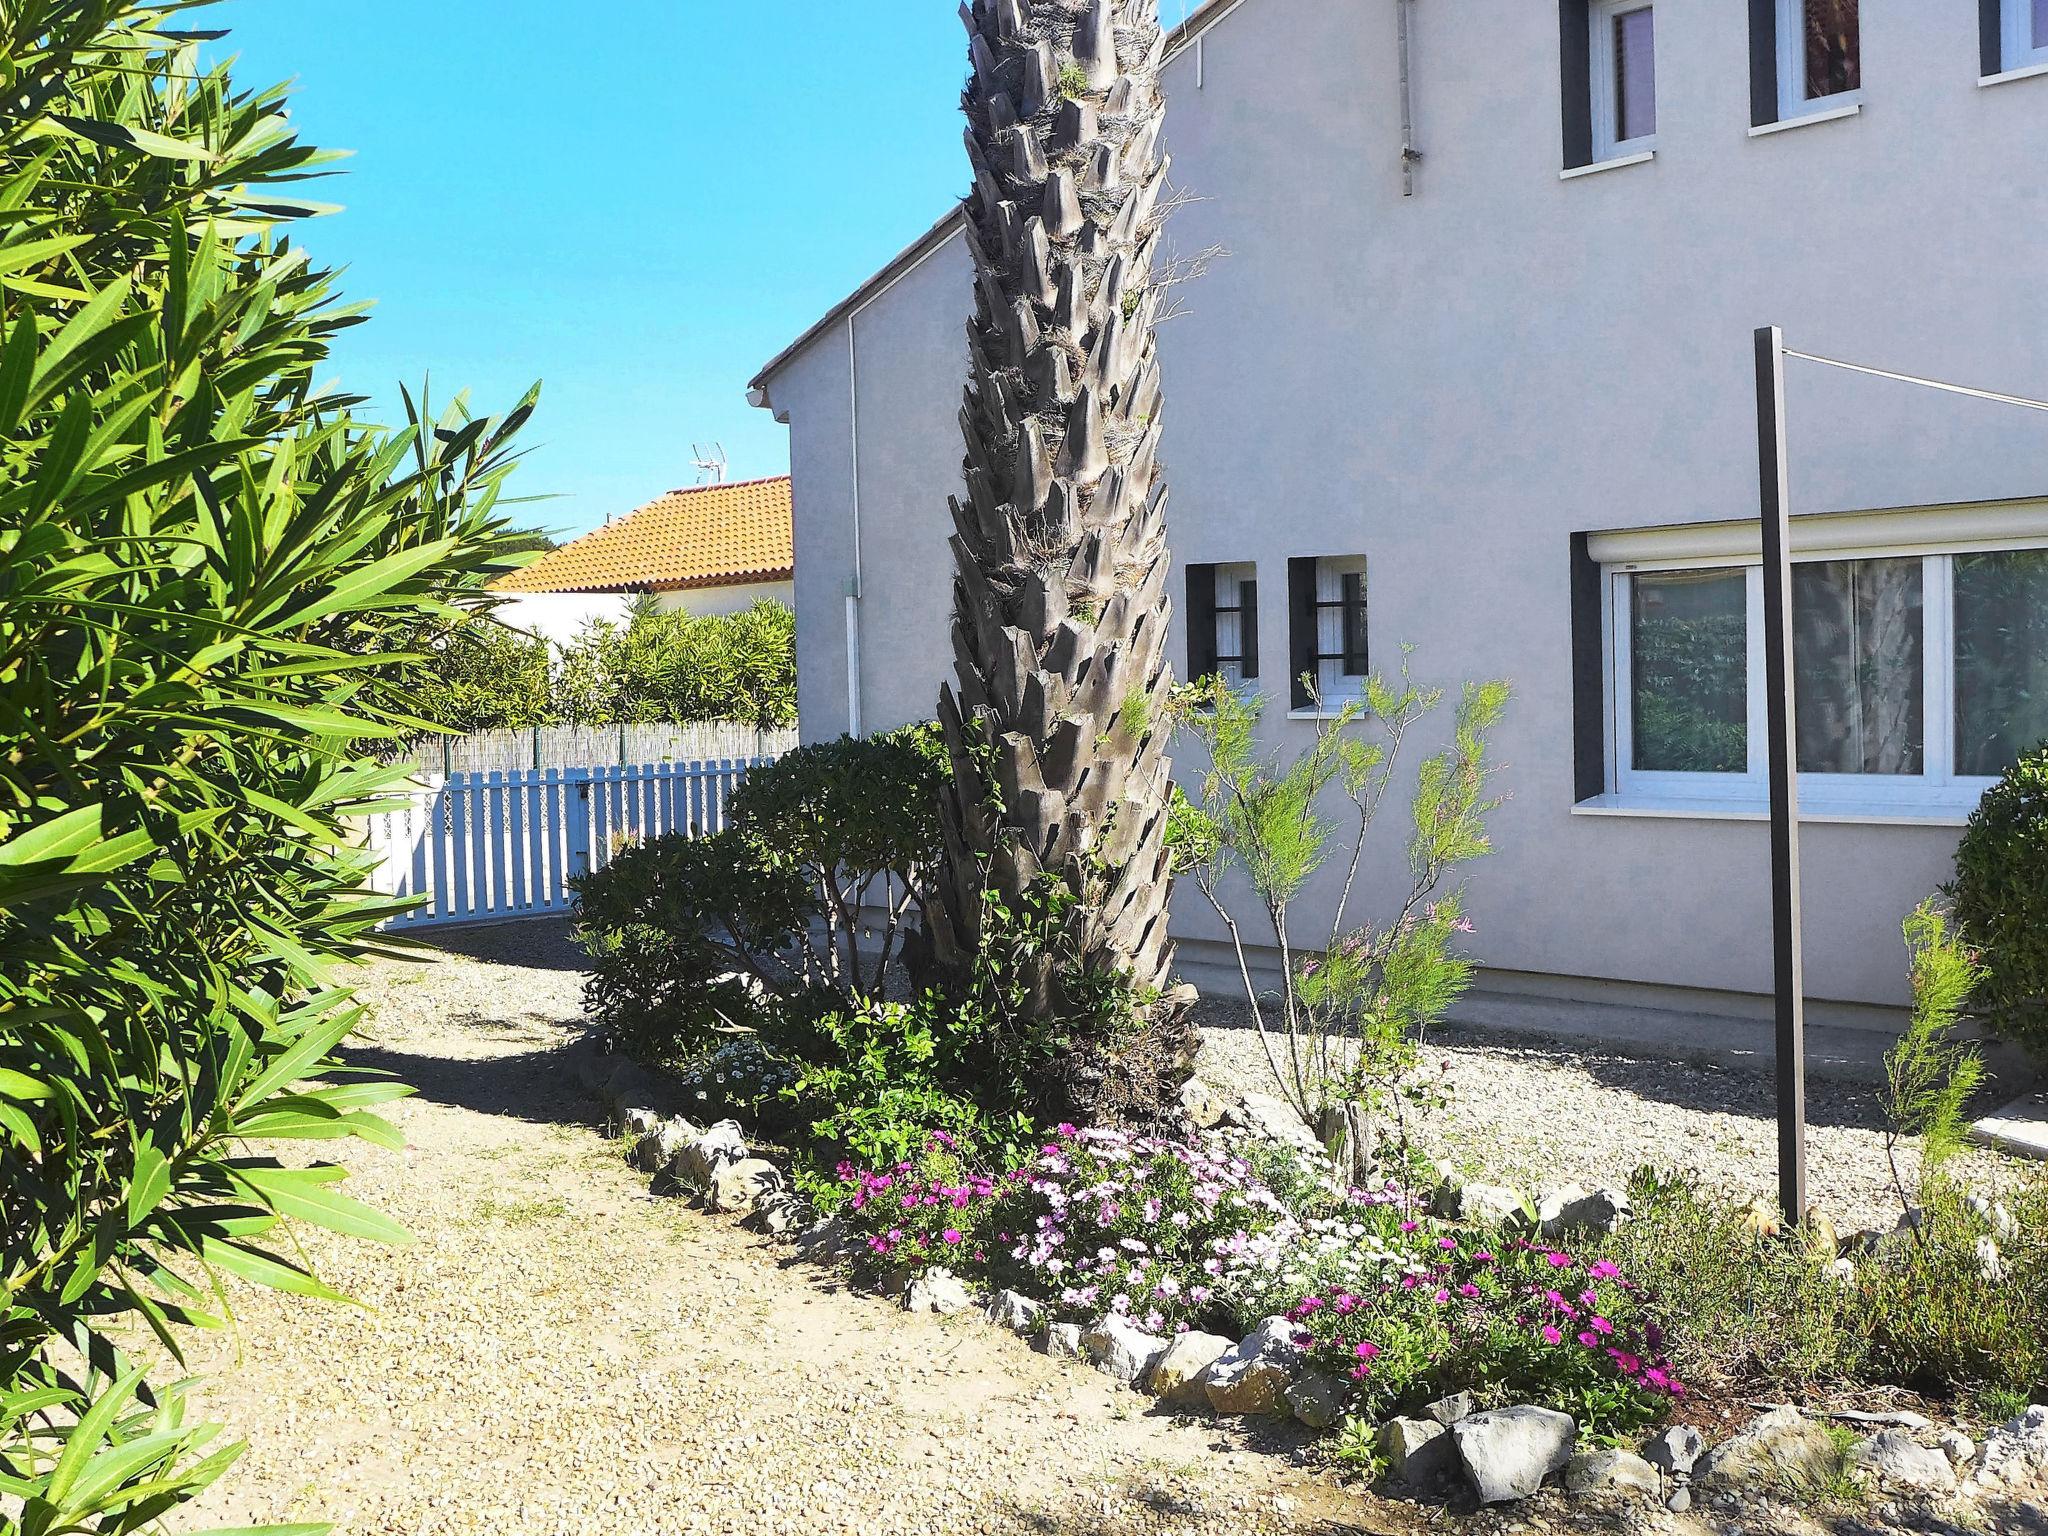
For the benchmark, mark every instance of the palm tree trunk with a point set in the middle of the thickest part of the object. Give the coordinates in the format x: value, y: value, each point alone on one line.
x: 1057, y: 731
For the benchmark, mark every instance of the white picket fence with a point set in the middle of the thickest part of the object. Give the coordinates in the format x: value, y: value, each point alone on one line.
x: 483, y: 847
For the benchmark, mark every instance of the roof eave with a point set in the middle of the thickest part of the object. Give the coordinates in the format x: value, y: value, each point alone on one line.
x: 1209, y: 12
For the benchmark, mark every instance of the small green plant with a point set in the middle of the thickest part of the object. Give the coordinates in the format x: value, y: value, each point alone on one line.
x: 1356, y: 1448
x: 1929, y: 1079
x: 1343, y: 1035
x: 2000, y: 897
x: 1073, y: 83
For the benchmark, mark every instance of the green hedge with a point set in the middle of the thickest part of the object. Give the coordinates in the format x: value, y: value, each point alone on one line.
x: 2000, y: 895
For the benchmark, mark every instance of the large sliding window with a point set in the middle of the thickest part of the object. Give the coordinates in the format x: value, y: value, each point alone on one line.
x: 1918, y: 677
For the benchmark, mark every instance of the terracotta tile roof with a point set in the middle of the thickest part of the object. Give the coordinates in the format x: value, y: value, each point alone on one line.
x: 706, y: 536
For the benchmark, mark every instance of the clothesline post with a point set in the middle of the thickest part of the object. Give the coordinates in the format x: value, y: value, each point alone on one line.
x: 1787, y: 965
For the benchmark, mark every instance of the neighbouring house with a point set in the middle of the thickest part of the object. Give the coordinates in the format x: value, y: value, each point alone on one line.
x: 708, y: 549
x: 1494, y: 399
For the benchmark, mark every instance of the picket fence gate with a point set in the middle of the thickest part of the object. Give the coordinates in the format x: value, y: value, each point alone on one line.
x: 483, y: 847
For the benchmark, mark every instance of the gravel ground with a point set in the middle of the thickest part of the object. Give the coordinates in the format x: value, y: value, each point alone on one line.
x: 561, y: 1353
x: 1536, y: 1114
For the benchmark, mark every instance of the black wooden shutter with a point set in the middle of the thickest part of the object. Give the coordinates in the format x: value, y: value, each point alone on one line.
x: 1763, y: 62
x: 1354, y: 624
x: 1575, y: 75
x: 1589, y: 675
x: 1991, y: 36
x: 1248, y: 625
x: 1301, y: 629
x: 1201, y: 621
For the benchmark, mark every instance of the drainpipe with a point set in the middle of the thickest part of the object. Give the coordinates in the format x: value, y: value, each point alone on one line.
x: 853, y: 722
x: 1410, y: 155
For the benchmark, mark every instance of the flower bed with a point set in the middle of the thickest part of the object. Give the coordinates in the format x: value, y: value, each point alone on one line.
x: 1396, y: 1305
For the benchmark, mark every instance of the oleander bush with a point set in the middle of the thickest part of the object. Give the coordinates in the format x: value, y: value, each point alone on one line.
x: 206, y: 563
x: 2000, y: 896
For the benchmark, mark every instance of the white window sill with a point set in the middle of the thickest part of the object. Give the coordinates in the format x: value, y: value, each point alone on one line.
x: 1640, y: 157
x: 1846, y: 813
x: 1330, y: 710
x: 2024, y: 72
x: 1807, y: 119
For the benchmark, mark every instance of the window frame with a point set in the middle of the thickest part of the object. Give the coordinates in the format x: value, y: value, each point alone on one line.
x: 2016, y: 46
x: 1793, y: 102
x: 1246, y: 576
x: 1603, y: 103
x: 1936, y: 792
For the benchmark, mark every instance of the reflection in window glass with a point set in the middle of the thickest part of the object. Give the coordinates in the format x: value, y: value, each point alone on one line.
x: 2001, y: 618
x: 1635, y: 74
x: 2041, y: 23
x: 1689, y: 650
x: 1834, y: 48
x: 1859, y: 682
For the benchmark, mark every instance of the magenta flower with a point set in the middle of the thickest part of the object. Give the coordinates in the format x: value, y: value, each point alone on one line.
x: 1604, y: 1269
x: 1367, y: 1351
x: 951, y: 1235
x: 1558, y: 1260
x: 1590, y: 1339
x: 1601, y: 1326
x: 1551, y: 1335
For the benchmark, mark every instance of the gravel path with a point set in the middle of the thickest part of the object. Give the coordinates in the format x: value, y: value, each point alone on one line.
x: 1536, y: 1114
x: 561, y: 1353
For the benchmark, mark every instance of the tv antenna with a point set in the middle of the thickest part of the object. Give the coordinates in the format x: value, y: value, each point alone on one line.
x: 710, y: 466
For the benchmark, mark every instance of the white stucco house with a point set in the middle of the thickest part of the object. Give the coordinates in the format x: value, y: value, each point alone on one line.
x: 707, y: 549
x: 1476, y: 377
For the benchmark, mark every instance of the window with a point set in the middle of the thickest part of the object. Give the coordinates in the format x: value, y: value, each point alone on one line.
x: 1223, y: 622
x: 1623, y: 77
x: 1820, y: 56
x: 1327, y: 627
x: 1917, y: 679
x: 2022, y: 40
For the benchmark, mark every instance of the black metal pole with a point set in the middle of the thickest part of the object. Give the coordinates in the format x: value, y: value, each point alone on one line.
x: 1787, y: 969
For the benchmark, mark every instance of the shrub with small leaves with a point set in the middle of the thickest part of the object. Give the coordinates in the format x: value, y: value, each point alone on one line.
x: 2000, y: 894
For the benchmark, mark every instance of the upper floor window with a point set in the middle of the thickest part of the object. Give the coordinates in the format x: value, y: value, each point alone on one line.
x: 2023, y: 35
x: 1623, y: 77
x: 1820, y: 55
x: 1223, y: 622
x: 1326, y: 608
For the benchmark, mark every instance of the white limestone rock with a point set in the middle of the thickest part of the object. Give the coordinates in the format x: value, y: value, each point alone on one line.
x: 1508, y: 1452
x: 1121, y: 1349
x: 1893, y: 1459
x: 937, y: 1291
x: 1178, y: 1375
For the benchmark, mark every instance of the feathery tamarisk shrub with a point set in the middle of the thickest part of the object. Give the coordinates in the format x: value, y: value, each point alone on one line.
x: 204, y: 562
x: 1060, y: 608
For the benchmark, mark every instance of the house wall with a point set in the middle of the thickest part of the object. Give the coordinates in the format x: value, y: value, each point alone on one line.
x: 709, y: 602
x: 560, y: 617
x: 1453, y: 383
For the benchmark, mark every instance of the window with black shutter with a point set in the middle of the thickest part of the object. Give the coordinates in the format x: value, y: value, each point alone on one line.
x: 1327, y: 610
x: 1223, y: 622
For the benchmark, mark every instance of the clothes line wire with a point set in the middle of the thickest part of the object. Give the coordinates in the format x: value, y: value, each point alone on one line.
x: 1908, y: 378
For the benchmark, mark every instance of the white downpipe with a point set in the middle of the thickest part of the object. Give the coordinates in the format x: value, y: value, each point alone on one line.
x: 853, y: 722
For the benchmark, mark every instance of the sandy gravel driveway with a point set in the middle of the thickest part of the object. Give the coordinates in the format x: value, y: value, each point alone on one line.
x: 561, y: 1353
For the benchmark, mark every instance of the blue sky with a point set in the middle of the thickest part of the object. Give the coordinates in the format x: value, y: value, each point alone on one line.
x: 638, y: 212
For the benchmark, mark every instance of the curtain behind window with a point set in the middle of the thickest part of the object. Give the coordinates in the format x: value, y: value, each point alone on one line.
x: 2001, y: 603
x: 1859, y: 679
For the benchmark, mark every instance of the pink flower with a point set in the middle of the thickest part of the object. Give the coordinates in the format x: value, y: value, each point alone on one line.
x: 1468, y: 1290
x: 1447, y: 1243
x: 1409, y: 1226
x: 1558, y: 1260
x: 1627, y: 1363
x: 1604, y: 1269
x: 1482, y: 1257
x: 1367, y: 1351
x: 951, y: 1235
x: 1590, y: 1339
x: 1600, y: 1325
x: 1551, y: 1335
x: 1442, y: 1296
